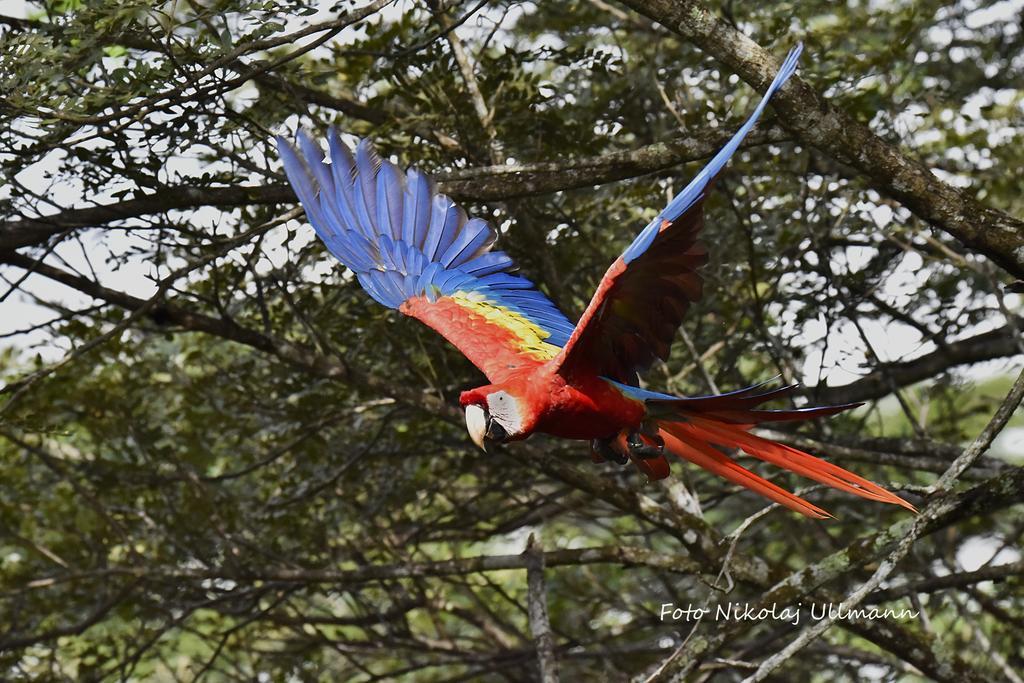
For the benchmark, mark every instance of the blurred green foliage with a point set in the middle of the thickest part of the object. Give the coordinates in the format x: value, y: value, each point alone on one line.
x: 163, y: 455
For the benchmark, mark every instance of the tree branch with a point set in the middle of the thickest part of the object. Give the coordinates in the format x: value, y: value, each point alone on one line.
x: 998, y: 343
x: 932, y: 456
x: 627, y: 556
x: 999, y: 572
x: 487, y: 183
x: 819, y: 122
x: 918, y: 528
x: 165, y: 313
x: 995, y: 494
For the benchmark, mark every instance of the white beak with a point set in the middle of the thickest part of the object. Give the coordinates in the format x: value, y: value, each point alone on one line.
x: 476, y: 424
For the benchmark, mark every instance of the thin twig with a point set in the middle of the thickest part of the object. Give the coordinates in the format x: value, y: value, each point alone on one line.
x: 934, y: 509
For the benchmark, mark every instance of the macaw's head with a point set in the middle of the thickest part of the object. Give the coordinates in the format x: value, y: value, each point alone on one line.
x: 496, y: 415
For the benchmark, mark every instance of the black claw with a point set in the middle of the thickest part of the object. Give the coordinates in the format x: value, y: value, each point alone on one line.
x: 619, y: 458
x: 646, y: 452
x: 603, y: 449
x: 640, y: 448
x: 634, y: 442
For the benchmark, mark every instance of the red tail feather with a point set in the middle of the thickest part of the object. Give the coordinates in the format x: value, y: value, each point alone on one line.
x: 693, y: 439
x: 703, y: 454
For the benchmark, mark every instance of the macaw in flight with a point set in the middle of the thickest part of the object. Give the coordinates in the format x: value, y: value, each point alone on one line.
x: 415, y: 250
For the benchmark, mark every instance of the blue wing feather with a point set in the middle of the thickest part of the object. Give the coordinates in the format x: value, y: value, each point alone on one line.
x: 386, y: 258
x: 485, y: 264
x: 474, y: 236
x: 365, y: 190
x: 346, y: 253
x: 390, y: 200
x: 370, y: 287
x: 416, y: 213
x: 367, y: 250
x: 446, y: 219
x: 343, y: 174
x: 448, y: 280
x: 506, y: 281
x: 426, y: 278
x: 402, y: 238
x: 414, y: 259
x: 693, y: 192
x: 435, y: 225
x: 327, y: 203
x: 305, y: 188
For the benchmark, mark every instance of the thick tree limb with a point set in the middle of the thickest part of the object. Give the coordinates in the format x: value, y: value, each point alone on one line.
x: 622, y: 555
x: 489, y: 183
x: 33, y: 231
x: 999, y: 572
x: 174, y: 315
x: 11, y: 641
x: 820, y: 123
x: 998, y: 343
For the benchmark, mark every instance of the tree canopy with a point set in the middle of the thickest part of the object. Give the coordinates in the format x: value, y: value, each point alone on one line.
x: 221, y: 460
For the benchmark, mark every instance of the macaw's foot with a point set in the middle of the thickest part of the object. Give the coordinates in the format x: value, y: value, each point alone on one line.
x: 643, y: 447
x: 644, y: 444
x: 602, y: 450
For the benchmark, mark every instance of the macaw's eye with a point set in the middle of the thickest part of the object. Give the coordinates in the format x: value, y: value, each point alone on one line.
x: 495, y: 432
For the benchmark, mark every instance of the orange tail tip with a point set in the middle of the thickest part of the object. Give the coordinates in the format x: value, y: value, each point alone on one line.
x: 798, y: 462
x: 692, y: 441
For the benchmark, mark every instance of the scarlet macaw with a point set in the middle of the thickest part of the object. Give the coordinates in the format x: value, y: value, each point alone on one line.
x: 415, y: 250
